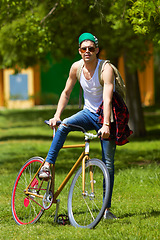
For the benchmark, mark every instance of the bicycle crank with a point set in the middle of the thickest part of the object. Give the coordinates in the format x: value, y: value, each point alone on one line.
x: 47, y: 200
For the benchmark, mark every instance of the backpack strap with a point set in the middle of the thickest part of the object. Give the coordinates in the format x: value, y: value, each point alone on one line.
x: 78, y: 74
x: 119, y: 83
x: 101, y: 68
x: 79, y: 70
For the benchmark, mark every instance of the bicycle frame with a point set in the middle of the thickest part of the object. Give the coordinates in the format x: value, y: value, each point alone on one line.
x: 83, y: 158
x: 90, y: 184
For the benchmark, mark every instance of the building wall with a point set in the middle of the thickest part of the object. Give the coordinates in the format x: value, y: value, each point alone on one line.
x: 1, y: 89
x: 36, y: 84
x: 54, y: 79
x: 146, y: 80
x: 45, y: 86
x: 17, y: 89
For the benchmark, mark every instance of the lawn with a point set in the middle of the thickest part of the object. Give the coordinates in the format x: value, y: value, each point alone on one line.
x: 136, y: 196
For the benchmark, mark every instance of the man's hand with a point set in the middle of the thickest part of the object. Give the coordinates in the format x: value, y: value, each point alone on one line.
x: 105, y: 132
x: 53, y: 121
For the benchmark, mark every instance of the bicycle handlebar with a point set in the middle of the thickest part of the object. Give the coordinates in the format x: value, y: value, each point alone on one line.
x: 70, y: 125
x: 88, y: 135
x: 57, y: 123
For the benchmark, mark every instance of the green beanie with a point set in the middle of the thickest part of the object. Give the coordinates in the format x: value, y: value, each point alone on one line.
x: 88, y: 36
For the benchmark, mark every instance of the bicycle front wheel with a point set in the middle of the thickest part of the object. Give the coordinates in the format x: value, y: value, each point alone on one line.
x: 85, y: 210
x: 27, y: 209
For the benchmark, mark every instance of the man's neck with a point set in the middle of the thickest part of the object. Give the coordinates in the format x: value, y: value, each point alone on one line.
x: 91, y: 65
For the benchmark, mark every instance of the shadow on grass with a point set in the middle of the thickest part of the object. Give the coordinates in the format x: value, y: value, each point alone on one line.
x: 26, y: 137
x: 14, y: 160
x: 153, y: 134
x: 75, y: 139
x: 32, y: 118
x: 145, y: 215
x: 34, y: 114
x: 35, y: 117
x: 152, y: 213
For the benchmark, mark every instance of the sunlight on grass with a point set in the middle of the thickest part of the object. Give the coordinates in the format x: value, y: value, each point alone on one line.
x: 136, y: 195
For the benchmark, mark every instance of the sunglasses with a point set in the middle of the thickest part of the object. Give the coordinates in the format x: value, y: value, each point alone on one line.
x: 84, y: 49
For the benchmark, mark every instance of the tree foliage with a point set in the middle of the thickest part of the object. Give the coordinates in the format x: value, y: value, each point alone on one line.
x: 22, y: 38
x: 30, y: 29
x: 145, y: 17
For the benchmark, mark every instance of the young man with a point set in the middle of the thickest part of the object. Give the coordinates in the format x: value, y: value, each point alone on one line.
x: 94, y: 93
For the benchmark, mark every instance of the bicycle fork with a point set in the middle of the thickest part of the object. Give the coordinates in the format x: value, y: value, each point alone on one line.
x: 86, y: 157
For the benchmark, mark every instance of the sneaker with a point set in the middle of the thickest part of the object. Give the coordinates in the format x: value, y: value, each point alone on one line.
x: 109, y: 215
x: 44, y: 173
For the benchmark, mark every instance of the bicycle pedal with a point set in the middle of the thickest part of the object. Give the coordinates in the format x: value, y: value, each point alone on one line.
x: 63, y: 219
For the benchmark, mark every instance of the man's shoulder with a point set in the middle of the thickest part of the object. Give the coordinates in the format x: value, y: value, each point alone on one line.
x: 77, y: 64
x: 74, y: 68
x: 105, y: 66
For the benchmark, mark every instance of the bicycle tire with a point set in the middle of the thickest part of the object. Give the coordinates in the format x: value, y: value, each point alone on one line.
x: 87, y: 211
x: 27, y: 210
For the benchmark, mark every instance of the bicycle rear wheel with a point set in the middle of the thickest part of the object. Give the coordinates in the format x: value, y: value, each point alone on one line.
x: 27, y: 209
x: 86, y: 211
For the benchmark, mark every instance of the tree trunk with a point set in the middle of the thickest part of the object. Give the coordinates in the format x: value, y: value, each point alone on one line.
x: 133, y: 100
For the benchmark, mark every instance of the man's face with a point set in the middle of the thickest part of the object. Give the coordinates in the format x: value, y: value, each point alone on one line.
x: 88, y: 50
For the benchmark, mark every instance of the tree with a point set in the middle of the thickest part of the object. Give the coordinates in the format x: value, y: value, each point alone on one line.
x: 31, y: 29
x: 135, y: 53
x: 139, y: 22
x: 22, y: 38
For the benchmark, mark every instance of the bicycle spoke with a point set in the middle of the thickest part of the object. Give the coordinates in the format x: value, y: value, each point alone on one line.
x: 27, y: 209
x: 89, y: 209
x: 86, y: 210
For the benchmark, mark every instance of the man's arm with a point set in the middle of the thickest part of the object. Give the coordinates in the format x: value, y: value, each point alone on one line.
x: 65, y: 95
x: 108, y: 79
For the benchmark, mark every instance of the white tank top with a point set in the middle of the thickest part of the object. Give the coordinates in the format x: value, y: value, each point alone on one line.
x: 92, y: 91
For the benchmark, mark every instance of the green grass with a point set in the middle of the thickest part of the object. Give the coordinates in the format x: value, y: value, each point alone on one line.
x: 136, y: 196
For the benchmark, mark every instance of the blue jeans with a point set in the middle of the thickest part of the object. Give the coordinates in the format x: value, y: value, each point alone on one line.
x: 88, y: 121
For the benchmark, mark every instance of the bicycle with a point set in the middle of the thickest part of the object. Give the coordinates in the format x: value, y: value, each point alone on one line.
x: 88, y: 194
